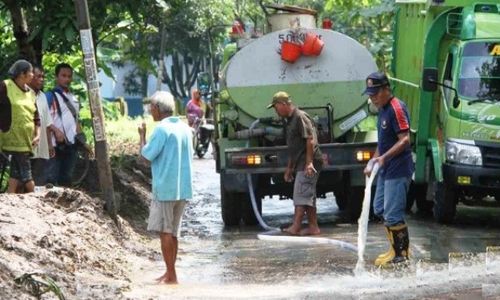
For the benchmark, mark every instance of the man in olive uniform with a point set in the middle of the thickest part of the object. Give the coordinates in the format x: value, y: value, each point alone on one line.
x: 304, y: 160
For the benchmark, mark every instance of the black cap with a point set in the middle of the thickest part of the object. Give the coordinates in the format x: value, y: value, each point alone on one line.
x: 374, y: 82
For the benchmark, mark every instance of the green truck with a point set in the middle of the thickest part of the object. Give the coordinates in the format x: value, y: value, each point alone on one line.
x: 249, y: 138
x: 446, y: 67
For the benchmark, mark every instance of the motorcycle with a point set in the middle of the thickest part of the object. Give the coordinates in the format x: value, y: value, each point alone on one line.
x: 203, y: 134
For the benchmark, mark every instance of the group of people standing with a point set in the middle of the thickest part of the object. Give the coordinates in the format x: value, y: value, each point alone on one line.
x: 38, y: 130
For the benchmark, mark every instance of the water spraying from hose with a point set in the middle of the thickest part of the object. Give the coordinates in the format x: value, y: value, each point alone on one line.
x: 363, y: 219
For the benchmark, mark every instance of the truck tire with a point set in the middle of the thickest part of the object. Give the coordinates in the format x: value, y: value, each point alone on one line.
x: 230, y: 206
x: 445, y: 203
x: 356, y: 195
x: 417, y: 193
x: 248, y: 215
x: 341, y: 199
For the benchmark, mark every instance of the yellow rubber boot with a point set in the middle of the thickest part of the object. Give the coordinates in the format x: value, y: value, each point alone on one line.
x: 390, y: 250
x: 400, y: 241
x: 387, y: 256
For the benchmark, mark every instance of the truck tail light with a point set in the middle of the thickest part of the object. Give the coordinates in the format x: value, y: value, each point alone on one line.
x: 362, y: 156
x: 247, y: 160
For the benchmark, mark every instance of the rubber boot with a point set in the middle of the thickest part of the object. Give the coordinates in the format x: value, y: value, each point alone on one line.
x: 400, y: 241
x: 389, y: 252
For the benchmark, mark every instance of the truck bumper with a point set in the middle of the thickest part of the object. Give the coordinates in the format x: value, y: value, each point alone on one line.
x: 472, y: 177
x: 336, y: 157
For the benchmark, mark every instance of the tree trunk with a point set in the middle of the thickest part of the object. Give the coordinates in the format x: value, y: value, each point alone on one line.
x: 21, y: 32
x: 178, y: 75
x: 169, y: 81
x: 194, y: 72
x: 144, y: 84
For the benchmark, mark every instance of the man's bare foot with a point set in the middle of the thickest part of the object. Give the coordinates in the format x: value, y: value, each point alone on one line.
x: 161, y: 278
x: 293, y: 230
x: 169, y: 279
x: 310, y: 231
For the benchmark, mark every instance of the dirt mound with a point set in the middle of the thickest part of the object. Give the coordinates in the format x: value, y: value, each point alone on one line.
x: 67, y: 236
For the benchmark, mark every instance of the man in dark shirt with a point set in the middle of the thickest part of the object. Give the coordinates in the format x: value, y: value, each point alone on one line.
x: 304, y: 159
x: 394, y: 157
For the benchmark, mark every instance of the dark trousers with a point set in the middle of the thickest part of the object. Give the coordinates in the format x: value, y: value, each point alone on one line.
x: 39, y: 170
x: 61, y: 167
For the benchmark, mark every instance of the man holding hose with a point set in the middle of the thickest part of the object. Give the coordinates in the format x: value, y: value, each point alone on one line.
x: 393, y: 156
x: 304, y: 160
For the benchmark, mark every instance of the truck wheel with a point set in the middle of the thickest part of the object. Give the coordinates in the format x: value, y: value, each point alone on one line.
x: 341, y: 199
x: 445, y: 204
x: 497, y: 196
x: 247, y: 210
x: 410, y: 197
x: 230, y: 206
x: 356, y: 195
x: 417, y: 193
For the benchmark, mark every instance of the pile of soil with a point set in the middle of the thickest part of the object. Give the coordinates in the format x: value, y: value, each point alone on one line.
x: 66, y: 235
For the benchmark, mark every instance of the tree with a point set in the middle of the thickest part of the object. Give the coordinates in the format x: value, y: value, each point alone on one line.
x: 8, y: 46
x: 50, y: 26
x: 369, y: 22
x: 20, y: 29
x: 188, y: 25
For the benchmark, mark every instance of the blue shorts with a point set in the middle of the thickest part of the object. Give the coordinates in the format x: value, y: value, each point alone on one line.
x: 390, y: 199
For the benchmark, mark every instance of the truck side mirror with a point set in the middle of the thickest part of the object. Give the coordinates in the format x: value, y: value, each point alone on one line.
x: 429, y: 79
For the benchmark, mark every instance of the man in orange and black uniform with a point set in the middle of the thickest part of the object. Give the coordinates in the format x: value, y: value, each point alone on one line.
x: 394, y: 158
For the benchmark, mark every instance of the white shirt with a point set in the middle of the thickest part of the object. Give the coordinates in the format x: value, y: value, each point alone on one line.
x: 66, y: 122
x: 42, y: 150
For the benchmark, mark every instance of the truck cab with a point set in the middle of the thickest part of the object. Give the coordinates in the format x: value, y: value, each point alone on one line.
x: 457, y: 101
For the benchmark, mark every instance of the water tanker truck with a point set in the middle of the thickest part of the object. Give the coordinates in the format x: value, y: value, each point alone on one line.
x: 249, y: 137
x: 446, y: 66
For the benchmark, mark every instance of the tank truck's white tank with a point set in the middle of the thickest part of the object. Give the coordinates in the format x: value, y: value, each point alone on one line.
x: 336, y: 76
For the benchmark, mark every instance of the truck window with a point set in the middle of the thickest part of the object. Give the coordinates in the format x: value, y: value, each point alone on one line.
x: 480, y: 71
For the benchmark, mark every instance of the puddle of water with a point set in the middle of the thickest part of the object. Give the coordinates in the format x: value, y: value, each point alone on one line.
x: 420, y: 280
x: 215, y: 263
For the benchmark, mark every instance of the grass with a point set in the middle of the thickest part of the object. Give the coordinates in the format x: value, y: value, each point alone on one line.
x: 38, y: 284
x: 123, y: 137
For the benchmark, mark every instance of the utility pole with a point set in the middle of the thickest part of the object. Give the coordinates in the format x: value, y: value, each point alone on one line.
x: 101, y: 147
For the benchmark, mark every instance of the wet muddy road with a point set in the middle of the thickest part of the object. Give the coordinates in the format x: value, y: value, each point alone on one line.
x: 231, y: 263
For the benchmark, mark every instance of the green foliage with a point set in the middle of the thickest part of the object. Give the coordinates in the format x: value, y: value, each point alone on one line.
x: 8, y: 47
x: 38, y: 284
x: 4, y: 172
x: 74, y: 59
x: 369, y: 22
x: 111, y: 114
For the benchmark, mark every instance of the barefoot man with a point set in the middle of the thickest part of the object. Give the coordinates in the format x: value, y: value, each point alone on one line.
x: 304, y: 159
x: 170, y: 152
